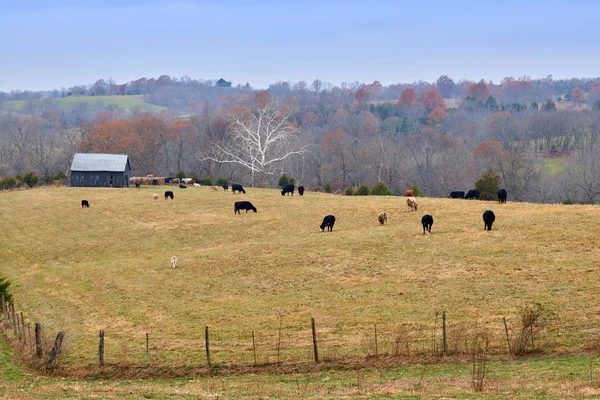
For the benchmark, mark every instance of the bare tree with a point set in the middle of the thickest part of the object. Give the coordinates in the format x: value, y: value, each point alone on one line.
x: 260, y: 139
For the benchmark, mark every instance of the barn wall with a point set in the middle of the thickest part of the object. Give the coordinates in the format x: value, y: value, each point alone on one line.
x: 99, y: 179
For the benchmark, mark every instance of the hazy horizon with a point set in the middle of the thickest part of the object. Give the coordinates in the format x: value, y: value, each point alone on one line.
x: 66, y: 44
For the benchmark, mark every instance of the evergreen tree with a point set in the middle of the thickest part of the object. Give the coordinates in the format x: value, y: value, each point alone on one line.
x: 488, y: 185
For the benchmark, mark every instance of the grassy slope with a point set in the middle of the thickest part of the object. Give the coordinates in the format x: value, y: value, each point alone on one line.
x: 107, y: 267
x: 127, y: 102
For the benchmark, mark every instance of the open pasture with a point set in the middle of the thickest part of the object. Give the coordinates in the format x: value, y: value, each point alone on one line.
x: 108, y: 267
x: 127, y: 102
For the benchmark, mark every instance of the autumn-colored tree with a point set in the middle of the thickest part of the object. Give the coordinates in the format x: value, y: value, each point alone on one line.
x: 311, y: 119
x: 408, y: 98
x: 369, y: 126
x: 479, y: 91
x: 436, y: 116
x: 361, y: 97
x: 488, y: 155
x: 594, y: 95
x: 110, y: 136
x: 262, y: 99
x: 578, y: 96
x: 374, y: 89
x: 432, y: 99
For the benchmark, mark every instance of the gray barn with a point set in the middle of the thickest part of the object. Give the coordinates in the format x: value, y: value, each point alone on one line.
x: 100, y: 170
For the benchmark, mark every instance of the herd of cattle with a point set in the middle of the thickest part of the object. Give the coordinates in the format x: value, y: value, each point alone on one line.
x: 328, y: 221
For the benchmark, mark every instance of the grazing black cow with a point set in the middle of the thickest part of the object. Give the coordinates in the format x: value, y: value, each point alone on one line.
x: 472, y: 194
x: 137, y: 184
x: 225, y: 187
x: 502, y: 196
x: 427, y: 221
x: 301, y: 190
x: 288, y: 189
x: 328, y: 222
x: 168, y: 194
x: 168, y: 180
x: 85, y: 203
x: 488, y: 219
x: 457, y: 195
x: 182, y: 186
x: 239, y: 188
x: 243, y: 205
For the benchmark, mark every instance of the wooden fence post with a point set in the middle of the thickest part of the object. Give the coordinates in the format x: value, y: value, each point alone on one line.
x: 38, y: 340
x: 279, y: 339
x: 314, y: 338
x: 444, y: 333
x: 147, y: 351
x: 19, y: 328
x: 507, y: 338
x: 376, y: 347
x: 55, y: 349
x: 253, y: 347
x: 5, y: 312
x: 14, y: 319
x: 23, y: 328
x: 531, y: 332
x: 101, y: 349
x: 29, y: 331
x: 207, y: 346
x: 3, y: 308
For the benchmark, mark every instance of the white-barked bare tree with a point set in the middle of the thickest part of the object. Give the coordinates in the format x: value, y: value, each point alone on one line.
x: 259, y: 139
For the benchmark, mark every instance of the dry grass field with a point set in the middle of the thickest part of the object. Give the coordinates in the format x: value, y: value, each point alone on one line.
x: 108, y: 267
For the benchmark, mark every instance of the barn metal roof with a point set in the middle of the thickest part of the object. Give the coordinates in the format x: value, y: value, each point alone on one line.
x: 99, y: 162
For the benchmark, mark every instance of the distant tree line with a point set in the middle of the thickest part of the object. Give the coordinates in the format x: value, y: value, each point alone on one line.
x: 540, y: 137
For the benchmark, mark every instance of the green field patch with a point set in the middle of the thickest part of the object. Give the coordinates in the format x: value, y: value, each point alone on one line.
x: 126, y: 102
x: 555, y: 165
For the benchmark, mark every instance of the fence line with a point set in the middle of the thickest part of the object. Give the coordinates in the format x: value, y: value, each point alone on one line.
x: 293, y: 343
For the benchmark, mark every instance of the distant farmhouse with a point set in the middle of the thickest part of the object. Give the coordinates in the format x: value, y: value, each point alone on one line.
x: 100, y: 170
x: 223, y: 83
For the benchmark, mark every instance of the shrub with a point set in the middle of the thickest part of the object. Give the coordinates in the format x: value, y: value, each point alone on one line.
x: 194, y: 177
x: 327, y: 188
x: 8, y: 183
x: 206, y: 181
x: 59, y: 176
x: 381, y: 190
x: 415, y: 188
x: 283, y: 180
x: 350, y: 191
x: 363, y: 190
x: 180, y: 174
x: 530, y: 319
x: 221, y: 181
x: 488, y: 185
x: 4, y: 291
x: 292, y: 181
x: 31, y: 179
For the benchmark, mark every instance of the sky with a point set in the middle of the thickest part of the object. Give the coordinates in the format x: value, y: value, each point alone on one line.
x: 60, y: 43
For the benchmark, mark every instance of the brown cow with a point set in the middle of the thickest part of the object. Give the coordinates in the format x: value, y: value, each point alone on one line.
x: 409, y: 193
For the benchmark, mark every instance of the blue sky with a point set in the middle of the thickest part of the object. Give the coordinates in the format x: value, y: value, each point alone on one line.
x: 53, y: 44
